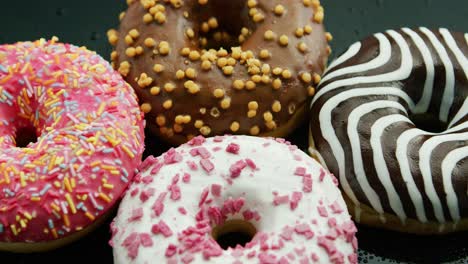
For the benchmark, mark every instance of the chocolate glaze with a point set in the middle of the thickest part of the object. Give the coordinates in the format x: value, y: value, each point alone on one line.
x: 439, y: 201
x: 203, y: 106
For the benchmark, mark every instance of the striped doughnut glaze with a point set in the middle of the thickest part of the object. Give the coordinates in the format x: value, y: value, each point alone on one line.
x: 365, y: 134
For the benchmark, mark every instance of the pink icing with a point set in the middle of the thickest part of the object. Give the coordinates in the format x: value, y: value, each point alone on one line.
x: 89, y: 140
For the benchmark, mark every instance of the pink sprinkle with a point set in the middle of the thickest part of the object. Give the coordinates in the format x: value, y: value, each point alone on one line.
x: 337, y: 258
x: 233, y: 148
x: 207, y: 165
x: 332, y: 222
x: 147, y: 163
x: 332, y: 234
x: 156, y: 168
x: 280, y: 200
x: 266, y: 258
x: 307, y: 183
x: 287, y: 233
x: 302, y: 228
x: 182, y: 210
x: 158, y: 206
x: 146, y: 194
x: 197, y: 141
x: 171, y: 250
x: 146, y: 240
x: 237, y: 168
x: 300, y: 251
x: 215, y: 215
x: 132, y: 243
x: 295, y: 199
x: 194, y: 152
x: 326, y: 244
x: 349, y: 230
x: 251, y: 254
x: 172, y: 156
x: 134, y: 192
x: 248, y: 215
x: 186, y: 178
x: 304, y: 260
x: 251, y: 164
x: 203, y: 197
x: 204, y: 153
x: 283, y: 260
x: 137, y: 214
x: 322, y: 175
x: 238, y: 204
x: 322, y: 211
x: 188, y: 258
x: 175, y: 179
x: 162, y: 228
x: 175, y: 192
x: 192, y: 165
x: 300, y: 171
x: 336, y: 208
x: 147, y: 179
x: 315, y: 257
x: 216, y: 190
x: 216, y: 149
x: 353, y: 258
x: 218, y: 139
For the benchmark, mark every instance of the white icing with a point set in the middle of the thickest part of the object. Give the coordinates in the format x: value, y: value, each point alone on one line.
x: 351, y: 52
x: 380, y: 60
x: 462, y: 112
x: 381, y: 165
x: 423, y: 105
x: 328, y: 131
x: 353, y: 133
x: 448, y: 165
x: 402, y: 73
x: 425, y: 161
x: 276, y: 164
x: 462, y: 60
x: 449, y: 89
x: 402, y: 157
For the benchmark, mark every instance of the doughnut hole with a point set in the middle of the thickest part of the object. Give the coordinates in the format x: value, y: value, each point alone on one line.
x: 25, y: 136
x: 233, y: 233
x: 428, y: 122
x: 217, y: 31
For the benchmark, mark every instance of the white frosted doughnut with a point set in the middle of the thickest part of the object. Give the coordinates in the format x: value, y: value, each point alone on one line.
x: 208, y: 187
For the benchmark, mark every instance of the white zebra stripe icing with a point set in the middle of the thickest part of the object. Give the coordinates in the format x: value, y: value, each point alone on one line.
x: 448, y: 165
x: 402, y: 73
x: 379, y: 61
x: 381, y: 165
x: 421, y: 52
x: 447, y: 98
x: 353, y: 122
x: 462, y: 60
x: 351, y: 52
x: 460, y: 114
x: 405, y: 170
x: 329, y: 132
x: 425, y: 166
x: 423, y: 105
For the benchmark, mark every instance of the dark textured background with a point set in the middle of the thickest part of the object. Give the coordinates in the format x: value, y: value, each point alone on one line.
x: 85, y: 22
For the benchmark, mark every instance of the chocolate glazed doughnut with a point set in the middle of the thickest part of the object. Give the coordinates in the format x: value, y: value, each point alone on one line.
x: 215, y: 67
x: 393, y: 115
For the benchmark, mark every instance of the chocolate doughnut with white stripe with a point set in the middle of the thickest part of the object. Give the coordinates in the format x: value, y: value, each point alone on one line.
x: 392, y: 116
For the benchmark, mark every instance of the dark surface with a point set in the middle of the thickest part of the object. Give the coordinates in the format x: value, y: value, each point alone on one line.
x: 85, y: 22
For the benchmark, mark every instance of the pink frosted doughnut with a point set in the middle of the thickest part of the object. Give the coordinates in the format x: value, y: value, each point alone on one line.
x: 184, y: 203
x: 89, y: 142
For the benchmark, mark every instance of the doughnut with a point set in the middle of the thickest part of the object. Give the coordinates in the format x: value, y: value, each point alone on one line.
x: 390, y: 120
x: 71, y: 137
x: 233, y: 199
x: 249, y: 71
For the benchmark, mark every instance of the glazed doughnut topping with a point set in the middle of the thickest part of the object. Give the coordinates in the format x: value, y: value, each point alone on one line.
x: 246, y: 71
x: 183, y: 203
x: 89, y: 139
x: 393, y: 115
